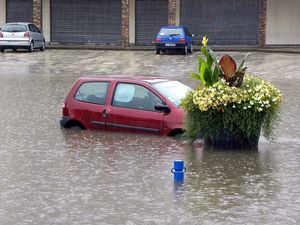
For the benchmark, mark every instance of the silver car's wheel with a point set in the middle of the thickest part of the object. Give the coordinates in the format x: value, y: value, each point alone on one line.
x: 43, y: 46
x: 30, y: 49
x: 2, y: 49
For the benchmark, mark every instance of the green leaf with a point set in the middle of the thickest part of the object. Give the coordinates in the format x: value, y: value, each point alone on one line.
x: 199, y: 64
x: 208, y: 56
x: 216, y: 74
x: 203, y: 70
x: 196, y: 76
x: 242, y: 63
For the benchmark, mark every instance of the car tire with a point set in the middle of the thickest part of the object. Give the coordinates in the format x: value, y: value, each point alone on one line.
x: 185, y: 50
x: 2, y: 49
x: 31, y: 47
x: 43, y: 46
x: 14, y: 49
x: 191, y: 49
x: 157, y: 51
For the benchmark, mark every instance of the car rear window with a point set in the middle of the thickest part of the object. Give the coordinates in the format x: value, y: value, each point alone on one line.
x: 14, y: 28
x: 93, y: 92
x: 170, y: 32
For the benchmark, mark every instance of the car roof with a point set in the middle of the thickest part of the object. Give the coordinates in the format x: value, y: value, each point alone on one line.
x: 18, y: 23
x: 146, y: 79
x: 173, y: 27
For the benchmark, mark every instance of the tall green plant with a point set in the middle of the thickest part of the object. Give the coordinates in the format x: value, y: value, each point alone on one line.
x: 209, y: 68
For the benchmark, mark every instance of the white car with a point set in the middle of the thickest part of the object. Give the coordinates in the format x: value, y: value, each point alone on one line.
x: 21, y: 35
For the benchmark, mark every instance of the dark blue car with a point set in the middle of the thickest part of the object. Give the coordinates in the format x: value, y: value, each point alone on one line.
x: 174, y: 38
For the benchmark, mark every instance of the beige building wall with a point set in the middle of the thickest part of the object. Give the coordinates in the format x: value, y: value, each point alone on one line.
x: 131, y: 21
x: 46, y: 19
x: 2, y: 12
x: 283, y: 22
x: 177, y: 13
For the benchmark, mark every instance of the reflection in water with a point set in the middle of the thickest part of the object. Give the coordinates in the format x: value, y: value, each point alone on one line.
x: 51, y: 175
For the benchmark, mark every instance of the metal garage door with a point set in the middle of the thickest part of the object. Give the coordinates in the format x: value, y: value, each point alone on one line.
x: 230, y: 22
x: 86, y: 21
x: 19, y: 11
x: 150, y: 16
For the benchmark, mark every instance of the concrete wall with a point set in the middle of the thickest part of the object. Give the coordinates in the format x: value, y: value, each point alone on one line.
x: 46, y: 19
x: 283, y: 22
x: 132, y: 22
x: 2, y: 12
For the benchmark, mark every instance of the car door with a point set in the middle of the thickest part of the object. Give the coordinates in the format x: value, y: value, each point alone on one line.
x: 90, y: 104
x: 132, y: 109
x: 39, y: 35
x: 188, y: 37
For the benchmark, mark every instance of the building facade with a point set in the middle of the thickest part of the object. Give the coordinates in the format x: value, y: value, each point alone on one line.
x: 136, y: 22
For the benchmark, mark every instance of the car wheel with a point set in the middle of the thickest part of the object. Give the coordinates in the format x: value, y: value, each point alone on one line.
x: 2, y: 49
x: 185, y: 51
x: 191, y: 49
x: 43, y: 46
x: 14, y: 49
x: 30, y: 48
x: 157, y: 51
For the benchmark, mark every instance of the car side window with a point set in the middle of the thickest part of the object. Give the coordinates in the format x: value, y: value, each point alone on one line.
x: 187, y: 33
x: 31, y: 28
x: 135, y: 96
x: 36, y: 29
x: 93, y: 92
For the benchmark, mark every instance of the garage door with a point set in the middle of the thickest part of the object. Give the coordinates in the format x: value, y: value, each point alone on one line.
x: 86, y: 21
x: 19, y: 11
x: 150, y: 16
x: 230, y: 22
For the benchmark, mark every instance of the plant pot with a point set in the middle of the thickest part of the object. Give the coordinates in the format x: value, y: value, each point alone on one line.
x: 227, y: 141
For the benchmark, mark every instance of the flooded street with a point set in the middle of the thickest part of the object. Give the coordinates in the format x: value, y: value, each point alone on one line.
x: 54, y: 176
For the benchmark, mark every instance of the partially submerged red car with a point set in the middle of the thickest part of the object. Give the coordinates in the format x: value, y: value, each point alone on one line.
x: 117, y: 103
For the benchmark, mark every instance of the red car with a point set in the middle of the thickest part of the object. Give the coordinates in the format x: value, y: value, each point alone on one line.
x: 135, y: 104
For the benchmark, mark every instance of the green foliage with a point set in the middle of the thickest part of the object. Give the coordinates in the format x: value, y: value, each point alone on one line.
x: 236, y: 123
x: 209, y: 69
x: 241, y: 113
x: 230, y: 104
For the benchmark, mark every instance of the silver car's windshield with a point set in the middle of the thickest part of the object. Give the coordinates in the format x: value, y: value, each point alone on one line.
x: 172, y: 90
x: 14, y: 28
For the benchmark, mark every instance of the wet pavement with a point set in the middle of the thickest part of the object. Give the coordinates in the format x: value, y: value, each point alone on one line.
x: 55, y: 176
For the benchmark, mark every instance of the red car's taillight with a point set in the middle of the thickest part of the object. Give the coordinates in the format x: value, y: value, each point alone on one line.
x: 182, y: 40
x: 158, y: 40
x: 27, y: 34
x: 1, y: 34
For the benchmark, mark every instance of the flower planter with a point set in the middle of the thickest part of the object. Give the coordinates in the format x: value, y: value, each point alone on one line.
x: 226, y: 141
x: 229, y: 108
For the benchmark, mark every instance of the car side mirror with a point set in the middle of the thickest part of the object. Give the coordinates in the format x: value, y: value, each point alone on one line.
x: 162, y: 108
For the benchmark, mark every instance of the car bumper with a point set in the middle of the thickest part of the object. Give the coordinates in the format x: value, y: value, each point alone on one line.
x: 17, y: 43
x: 170, y: 45
x: 64, y: 120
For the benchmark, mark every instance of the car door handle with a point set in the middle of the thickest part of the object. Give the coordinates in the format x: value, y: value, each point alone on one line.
x: 104, y: 113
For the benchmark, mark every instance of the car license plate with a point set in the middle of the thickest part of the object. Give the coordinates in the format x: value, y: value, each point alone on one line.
x: 170, y: 44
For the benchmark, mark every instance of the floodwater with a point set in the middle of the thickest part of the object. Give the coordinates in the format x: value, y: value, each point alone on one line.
x: 54, y: 176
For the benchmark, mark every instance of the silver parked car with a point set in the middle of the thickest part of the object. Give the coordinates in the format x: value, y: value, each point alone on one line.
x: 21, y: 35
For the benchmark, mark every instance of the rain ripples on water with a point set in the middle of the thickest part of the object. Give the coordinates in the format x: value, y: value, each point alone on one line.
x: 54, y: 176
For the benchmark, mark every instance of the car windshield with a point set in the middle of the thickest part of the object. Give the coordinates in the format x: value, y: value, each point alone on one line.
x: 170, y: 32
x: 172, y: 90
x: 14, y: 28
